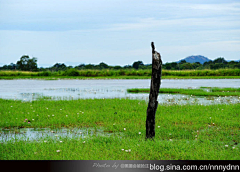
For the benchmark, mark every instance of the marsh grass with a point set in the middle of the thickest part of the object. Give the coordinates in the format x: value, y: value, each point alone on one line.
x: 225, y: 89
x: 183, y: 132
x: 196, y: 92
x: 121, y: 74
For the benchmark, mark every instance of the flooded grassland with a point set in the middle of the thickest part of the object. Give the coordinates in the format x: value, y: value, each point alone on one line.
x: 108, y: 128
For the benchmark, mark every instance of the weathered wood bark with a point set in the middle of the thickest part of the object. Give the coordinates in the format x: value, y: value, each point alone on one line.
x: 154, y: 89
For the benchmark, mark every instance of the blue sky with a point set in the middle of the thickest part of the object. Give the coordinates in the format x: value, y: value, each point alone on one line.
x: 117, y: 32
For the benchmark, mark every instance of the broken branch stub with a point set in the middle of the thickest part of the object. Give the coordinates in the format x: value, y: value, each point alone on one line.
x: 154, y: 89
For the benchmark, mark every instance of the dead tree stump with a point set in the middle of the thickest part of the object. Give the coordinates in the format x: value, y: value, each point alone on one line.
x: 153, y: 95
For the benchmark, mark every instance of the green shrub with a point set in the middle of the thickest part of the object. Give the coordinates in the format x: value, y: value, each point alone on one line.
x: 45, y: 73
x: 71, y: 72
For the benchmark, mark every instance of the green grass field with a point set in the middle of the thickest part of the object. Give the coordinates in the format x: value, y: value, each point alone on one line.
x: 183, y: 132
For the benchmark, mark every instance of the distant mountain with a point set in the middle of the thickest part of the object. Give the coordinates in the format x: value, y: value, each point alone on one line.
x: 196, y: 58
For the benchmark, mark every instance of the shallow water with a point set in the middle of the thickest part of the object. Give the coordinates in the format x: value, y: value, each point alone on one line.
x: 35, y: 134
x: 28, y: 90
x: 188, y: 99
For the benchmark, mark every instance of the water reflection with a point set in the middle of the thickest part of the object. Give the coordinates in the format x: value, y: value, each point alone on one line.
x: 29, y: 90
x: 30, y: 134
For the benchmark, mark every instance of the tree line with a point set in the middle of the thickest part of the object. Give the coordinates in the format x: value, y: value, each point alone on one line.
x: 218, y: 63
x: 30, y: 64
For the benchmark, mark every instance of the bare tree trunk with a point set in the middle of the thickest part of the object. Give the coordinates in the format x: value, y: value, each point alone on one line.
x: 154, y: 89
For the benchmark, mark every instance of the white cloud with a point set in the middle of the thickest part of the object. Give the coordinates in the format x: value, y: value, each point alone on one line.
x: 225, y: 7
x: 182, y: 24
x: 206, y: 7
x: 117, y: 32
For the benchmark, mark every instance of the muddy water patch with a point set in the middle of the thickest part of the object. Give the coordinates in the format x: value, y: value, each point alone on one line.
x: 36, y: 134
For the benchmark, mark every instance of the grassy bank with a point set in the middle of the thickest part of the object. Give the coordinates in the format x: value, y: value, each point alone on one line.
x: 117, y: 77
x: 121, y: 74
x: 182, y: 132
x: 203, y: 91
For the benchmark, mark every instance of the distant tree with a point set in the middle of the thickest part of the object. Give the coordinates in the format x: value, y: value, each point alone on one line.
x: 220, y: 60
x: 103, y: 65
x: 81, y: 66
x: 5, y: 67
x: 22, y: 63
x: 32, y: 64
x: 233, y: 64
x: 174, y: 65
x: 216, y: 64
x: 207, y: 65
x: 27, y: 64
x: 196, y: 65
x: 42, y: 69
x: 171, y: 66
x: 58, y: 67
x: 168, y: 66
x: 142, y: 67
x: 186, y: 66
x: 117, y: 67
x: 137, y: 64
x: 183, y: 61
x: 127, y: 66
x: 148, y: 66
x: 12, y: 66
x: 89, y: 66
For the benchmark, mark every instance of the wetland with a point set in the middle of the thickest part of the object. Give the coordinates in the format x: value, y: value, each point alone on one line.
x: 100, y: 119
